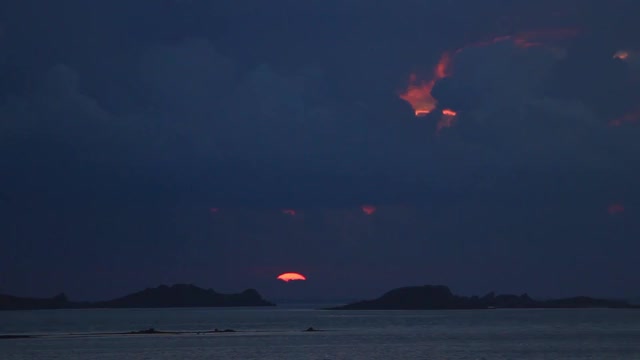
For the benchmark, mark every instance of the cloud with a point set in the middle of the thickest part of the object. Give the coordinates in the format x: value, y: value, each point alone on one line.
x: 254, y: 116
x: 197, y: 119
x: 507, y: 115
x: 57, y: 112
x: 203, y: 109
x: 186, y: 77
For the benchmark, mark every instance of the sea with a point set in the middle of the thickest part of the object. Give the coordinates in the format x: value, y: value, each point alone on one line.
x: 278, y: 334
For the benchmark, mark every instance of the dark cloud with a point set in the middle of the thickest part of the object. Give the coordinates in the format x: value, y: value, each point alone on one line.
x: 515, y: 111
x: 123, y: 124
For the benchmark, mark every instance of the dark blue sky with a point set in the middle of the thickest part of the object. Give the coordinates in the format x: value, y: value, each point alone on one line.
x: 123, y: 123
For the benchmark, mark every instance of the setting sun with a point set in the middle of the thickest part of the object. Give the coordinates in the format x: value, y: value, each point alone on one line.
x: 291, y: 276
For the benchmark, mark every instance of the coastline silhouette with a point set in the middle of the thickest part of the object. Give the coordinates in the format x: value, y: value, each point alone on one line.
x: 179, y: 295
x: 438, y: 297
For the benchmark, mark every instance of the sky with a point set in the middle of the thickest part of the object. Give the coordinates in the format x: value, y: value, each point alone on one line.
x: 487, y: 146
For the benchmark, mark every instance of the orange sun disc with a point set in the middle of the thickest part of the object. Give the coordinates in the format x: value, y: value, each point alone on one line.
x: 291, y: 276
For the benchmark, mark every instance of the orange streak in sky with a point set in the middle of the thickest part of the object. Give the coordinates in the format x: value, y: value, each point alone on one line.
x: 541, y: 37
x: 289, y: 212
x: 369, y: 209
x: 529, y: 39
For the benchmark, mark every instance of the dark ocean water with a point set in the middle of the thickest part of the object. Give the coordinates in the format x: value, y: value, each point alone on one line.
x: 276, y: 333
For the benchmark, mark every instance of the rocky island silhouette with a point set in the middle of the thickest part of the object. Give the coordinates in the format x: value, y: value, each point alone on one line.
x: 179, y: 295
x: 439, y: 297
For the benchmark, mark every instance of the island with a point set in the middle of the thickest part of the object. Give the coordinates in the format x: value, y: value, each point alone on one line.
x: 179, y: 295
x: 439, y: 297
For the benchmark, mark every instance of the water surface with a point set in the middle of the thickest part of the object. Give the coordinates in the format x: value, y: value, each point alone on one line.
x: 276, y: 333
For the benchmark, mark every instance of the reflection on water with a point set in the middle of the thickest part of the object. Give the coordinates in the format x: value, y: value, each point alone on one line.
x: 278, y: 334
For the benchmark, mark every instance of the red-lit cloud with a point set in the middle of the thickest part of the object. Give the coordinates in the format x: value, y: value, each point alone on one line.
x: 214, y: 210
x: 290, y: 212
x: 615, y: 209
x: 623, y: 55
x: 632, y: 117
x: 529, y: 39
x: 369, y: 209
x: 627, y: 55
x: 419, y: 92
x: 447, y: 120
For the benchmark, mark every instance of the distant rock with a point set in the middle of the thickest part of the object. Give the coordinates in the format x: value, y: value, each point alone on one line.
x: 146, y: 332
x: 430, y: 297
x: 12, y: 337
x: 224, y: 331
x: 180, y: 295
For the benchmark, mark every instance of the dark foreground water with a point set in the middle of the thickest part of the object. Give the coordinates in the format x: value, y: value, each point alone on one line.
x: 277, y: 334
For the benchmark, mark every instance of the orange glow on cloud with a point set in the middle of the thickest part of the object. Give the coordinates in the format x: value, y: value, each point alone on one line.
x: 419, y: 96
x: 447, y: 120
x: 443, y: 69
x: 626, y: 55
x: 615, y: 209
x: 369, y: 209
x: 621, y: 55
x: 289, y: 212
x: 418, y: 93
x: 291, y: 276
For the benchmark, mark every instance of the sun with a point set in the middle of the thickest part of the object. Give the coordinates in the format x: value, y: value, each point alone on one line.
x: 291, y: 276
